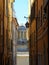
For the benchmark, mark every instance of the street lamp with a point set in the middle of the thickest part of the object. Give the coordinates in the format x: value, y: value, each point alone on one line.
x: 26, y: 17
x: 27, y: 24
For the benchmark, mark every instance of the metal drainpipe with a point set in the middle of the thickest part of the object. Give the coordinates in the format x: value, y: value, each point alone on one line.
x: 36, y: 45
x: 30, y: 48
x: 3, y: 31
x: 30, y: 37
x: 36, y: 38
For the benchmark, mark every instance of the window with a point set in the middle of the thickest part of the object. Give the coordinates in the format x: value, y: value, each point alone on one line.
x: 1, y: 27
x: 39, y: 19
x: 34, y: 37
x: 21, y: 34
x: 25, y: 35
x: 18, y: 34
x: 41, y: 15
x: 6, y: 7
x: 45, y: 12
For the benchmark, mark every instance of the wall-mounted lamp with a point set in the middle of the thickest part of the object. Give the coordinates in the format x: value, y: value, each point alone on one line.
x: 27, y: 25
x: 44, y: 16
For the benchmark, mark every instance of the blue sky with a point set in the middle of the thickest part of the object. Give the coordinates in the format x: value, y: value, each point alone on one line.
x: 21, y: 9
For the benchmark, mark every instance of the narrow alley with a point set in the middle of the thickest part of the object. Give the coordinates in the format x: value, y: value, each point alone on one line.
x: 23, y: 32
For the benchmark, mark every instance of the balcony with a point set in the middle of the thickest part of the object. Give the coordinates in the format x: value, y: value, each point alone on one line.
x: 45, y: 2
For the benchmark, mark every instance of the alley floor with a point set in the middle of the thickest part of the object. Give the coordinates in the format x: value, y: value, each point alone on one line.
x: 22, y: 58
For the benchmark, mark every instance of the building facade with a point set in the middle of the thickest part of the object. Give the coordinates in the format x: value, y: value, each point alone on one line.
x: 42, y: 31
x: 14, y: 38
x: 9, y: 27
x: 32, y: 30
x: 22, y: 39
x: 1, y: 32
x: 5, y: 27
x: 39, y: 39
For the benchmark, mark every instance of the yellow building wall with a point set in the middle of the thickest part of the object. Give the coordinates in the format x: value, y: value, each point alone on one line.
x: 33, y: 26
x: 9, y: 18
